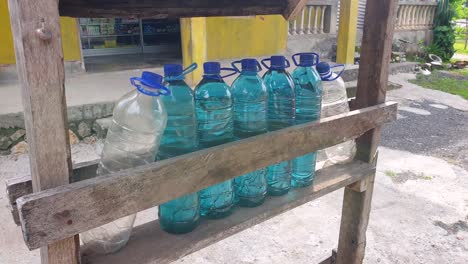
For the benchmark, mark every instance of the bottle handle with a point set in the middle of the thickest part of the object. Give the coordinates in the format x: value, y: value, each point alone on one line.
x: 338, y: 75
x: 233, y: 64
x: 288, y: 64
x: 234, y: 71
x: 264, y: 63
x: 316, y: 56
x: 186, y: 71
x: 164, y: 90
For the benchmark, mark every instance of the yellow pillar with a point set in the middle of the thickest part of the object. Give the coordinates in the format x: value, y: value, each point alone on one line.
x: 347, y: 31
x: 194, y: 46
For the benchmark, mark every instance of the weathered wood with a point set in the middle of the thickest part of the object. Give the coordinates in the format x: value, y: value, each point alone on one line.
x: 294, y: 8
x: 374, y: 66
x: 149, y: 244
x: 354, y: 220
x: 39, y: 61
x: 372, y: 86
x: 331, y: 259
x: 21, y: 186
x: 175, y: 8
x: 84, y: 205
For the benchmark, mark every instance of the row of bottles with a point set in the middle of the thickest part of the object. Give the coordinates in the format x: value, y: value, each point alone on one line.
x: 211, y: 115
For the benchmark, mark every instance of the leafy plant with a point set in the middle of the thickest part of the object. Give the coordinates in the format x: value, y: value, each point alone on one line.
x: 444, y: 39
x: 444, y: 33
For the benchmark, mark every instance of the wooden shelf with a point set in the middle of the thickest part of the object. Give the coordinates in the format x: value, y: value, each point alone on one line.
x: 149, y: 244
x: 179, y: 8
x: 83, y: 205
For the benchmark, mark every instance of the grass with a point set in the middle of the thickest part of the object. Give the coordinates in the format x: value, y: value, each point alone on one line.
x: 463, y: 72
x: 448, y: 85
x: 460, y: 47
x: 390, y: 173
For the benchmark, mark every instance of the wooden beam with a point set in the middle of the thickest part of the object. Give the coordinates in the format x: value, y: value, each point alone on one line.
x: 149, y: 244
x: 175, y: 8
x: 294, y: 8
x: 372, y: 86
x: 21, y: 186
x: 39, y: 61
x: 346, y: 42
x: 87, y: 204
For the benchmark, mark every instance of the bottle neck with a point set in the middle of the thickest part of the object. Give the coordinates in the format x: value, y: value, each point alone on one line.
x: 248, y: 73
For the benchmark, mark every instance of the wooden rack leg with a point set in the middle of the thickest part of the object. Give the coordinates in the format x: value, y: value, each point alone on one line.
x: 372, y: 87
x: 39, y: 61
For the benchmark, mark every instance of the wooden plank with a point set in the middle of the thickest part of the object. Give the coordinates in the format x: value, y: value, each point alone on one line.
x: 374, y: 66
x: 294, y: 8
x: 171, y: 8
x: 103, y: 199
x: 21, y: 186
x: 331, y: 259
x: 149, y: 244
x: 39, y: 61
x: 372, y: 87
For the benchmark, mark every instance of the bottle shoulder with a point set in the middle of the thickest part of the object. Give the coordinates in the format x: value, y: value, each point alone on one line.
x: 207, y: 88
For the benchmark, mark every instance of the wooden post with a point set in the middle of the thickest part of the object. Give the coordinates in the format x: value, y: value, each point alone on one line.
x: 193, y: 32
x: 372, y: 86
x: 346, y: 43
x: 39, y: 60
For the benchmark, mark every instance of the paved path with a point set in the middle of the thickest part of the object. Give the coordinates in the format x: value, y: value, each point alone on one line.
x: 420, y: 206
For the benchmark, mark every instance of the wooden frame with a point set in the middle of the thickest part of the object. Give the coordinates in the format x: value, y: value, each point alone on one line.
x: 52, y: 212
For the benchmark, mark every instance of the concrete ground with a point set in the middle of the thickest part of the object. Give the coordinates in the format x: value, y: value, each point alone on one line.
x: 419, y: 211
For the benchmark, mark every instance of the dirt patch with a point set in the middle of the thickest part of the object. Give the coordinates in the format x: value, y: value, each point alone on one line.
x: 454, y: 228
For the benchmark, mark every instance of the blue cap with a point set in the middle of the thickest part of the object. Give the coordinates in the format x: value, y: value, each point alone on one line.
x: 249, y: 64
x: 323, y: 69
x: 172, y: 69
x: 151, y: 79
x: 211, y: 67
x: 278, y: 62
x: 306, y: 59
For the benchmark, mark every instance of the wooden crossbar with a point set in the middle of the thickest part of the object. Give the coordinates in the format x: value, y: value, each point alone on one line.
x: 179, y: 8
x: 80, y: 206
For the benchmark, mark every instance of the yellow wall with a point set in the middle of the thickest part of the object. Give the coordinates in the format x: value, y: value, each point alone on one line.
x: 7, y: 53
x: 70, y: 37
x: 235, y: 37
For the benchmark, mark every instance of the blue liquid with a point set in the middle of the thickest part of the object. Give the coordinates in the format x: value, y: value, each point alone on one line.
x: 281, y: 113
x: 250, y: 102
x: 308, y: 105
x: 182, y: 214
x: 213, y: 105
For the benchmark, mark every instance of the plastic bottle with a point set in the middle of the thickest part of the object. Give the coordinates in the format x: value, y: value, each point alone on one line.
x: 180, y: 215
x: 250, y: 101
x: 334, y: 102
x: 132, y: 140
x: 281, y: 112
x: 213, y: 105
x: 308, y: 102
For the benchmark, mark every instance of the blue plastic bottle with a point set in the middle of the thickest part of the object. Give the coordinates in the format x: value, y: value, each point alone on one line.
x: 250, y: 101
x: 213, y: 105
x: 281, y: 113
x: 180, y: 137
x: 308, y: 103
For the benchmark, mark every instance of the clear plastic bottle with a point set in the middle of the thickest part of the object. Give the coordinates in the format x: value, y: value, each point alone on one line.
x: 281, y: 112
x: 180, y: 215
x: 250, y: 101
x: 213, y: 105
x: 308, y: 102
x: 132, y: 140
x: 334, y: 102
